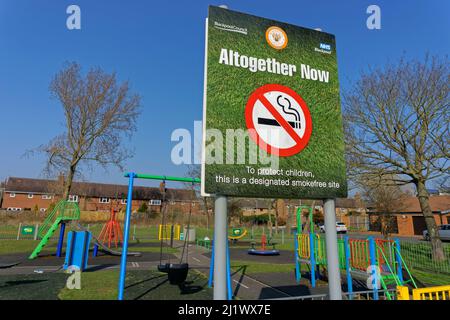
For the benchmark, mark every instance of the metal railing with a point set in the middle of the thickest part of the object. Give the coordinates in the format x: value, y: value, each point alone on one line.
x: 357, y: 295
x: 359, y: 250
x: 385, y: 294
x: 432, y: 293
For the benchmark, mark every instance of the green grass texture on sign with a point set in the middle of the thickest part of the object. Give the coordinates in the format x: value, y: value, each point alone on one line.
x: 229, y: 87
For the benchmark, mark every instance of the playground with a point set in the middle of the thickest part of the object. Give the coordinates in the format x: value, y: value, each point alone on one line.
x: 260, y: 195
x: 298, y: 270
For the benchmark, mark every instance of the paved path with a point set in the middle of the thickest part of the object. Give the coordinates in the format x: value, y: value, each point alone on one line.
x: 252, y: 288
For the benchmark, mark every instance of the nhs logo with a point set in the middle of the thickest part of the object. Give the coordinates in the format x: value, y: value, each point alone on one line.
x: 325, y: 46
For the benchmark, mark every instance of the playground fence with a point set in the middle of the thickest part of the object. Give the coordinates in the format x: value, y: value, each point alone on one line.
x: 18, y: 232
x: 418, y: 255
x: 358, y: 223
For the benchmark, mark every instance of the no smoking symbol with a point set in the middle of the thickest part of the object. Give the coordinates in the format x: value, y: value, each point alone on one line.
x: 278, y: 120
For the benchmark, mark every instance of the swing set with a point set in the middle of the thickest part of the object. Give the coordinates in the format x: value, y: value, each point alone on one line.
x: 177, y: 272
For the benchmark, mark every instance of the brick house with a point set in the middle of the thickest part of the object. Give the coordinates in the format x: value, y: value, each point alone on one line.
x: 409, y: 220
x: 348, y: 210
x: 30, y: 194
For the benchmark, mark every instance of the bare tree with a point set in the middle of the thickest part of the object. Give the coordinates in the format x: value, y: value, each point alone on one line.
x: 234, y: 210
x: 397, y: 124
x: 273, y: 207
x: 387, y: 199
x: 99, y: 113
x: 194, y: 171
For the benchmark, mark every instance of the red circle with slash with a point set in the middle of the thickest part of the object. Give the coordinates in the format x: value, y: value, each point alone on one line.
x: 279, y: 119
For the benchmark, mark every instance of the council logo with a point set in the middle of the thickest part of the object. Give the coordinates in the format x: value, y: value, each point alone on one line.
x: 276, y: 38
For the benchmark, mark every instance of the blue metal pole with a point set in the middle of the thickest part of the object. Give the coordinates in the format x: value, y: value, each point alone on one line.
x: 313, y: 259
x: 399, y: 260
x: 211, y: 267
x: 123, y: 261
x: 297, y: 264
x: 229, y: 287
x: 373, y: 264
x: 95, y: 252
x: 61, y: 239
x: 347, y: 267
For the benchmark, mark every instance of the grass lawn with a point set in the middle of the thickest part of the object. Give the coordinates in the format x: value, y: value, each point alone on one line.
x: 22, y: 246
x: 431, y: 279
x: 27, y: 246
x: 140, y: 285
x: 102, y: 285
x: 249, y: 267
x: 44, y: 286
x: 99, y: 285
x: 153, y: 285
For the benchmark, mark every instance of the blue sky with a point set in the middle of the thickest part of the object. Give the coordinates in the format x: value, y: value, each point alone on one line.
x: 159, y: 48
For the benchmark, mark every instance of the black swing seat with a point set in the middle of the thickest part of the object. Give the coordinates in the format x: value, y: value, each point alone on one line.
x: 178, y: 273
x: 164, y: 267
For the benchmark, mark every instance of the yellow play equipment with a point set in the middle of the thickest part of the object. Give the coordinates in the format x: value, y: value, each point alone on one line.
x: 430, y: 293
x: 164, y: 231
x: 237, y: 233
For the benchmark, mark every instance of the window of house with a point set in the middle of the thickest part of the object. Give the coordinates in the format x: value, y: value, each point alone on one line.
x: 73, y: 198
x: 12, y: 195
x: 46, y: 197
x: 104, y: 200
x: 155, y: 202
x: 43, y: 209
x: 123, y: 201
x: 30, y: 196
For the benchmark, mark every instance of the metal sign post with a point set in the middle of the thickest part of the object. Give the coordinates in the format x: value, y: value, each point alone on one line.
x: 220, y: 248
x: 334, y: 275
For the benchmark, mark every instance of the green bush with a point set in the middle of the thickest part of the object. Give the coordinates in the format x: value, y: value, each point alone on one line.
x: 143, y: 207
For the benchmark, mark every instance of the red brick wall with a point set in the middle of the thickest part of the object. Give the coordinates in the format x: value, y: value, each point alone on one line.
x: 405, y: 223
x: 21, y: 200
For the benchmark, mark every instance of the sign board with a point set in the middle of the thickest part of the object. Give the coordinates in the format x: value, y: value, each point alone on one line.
x: 27, y: 230
x: 272, y: 124
x: 237, y: 231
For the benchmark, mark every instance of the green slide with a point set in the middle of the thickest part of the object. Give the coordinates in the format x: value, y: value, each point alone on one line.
x: 63, y: 211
